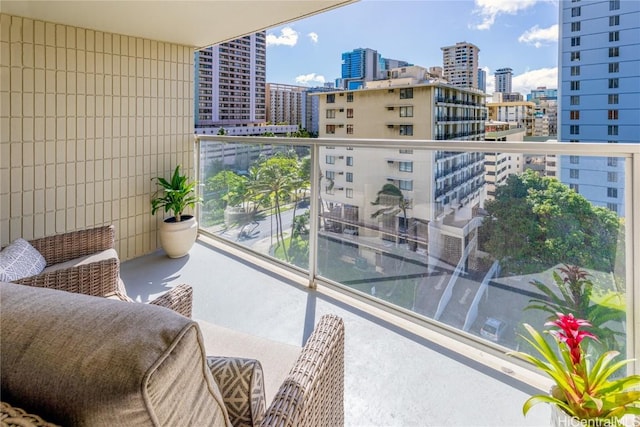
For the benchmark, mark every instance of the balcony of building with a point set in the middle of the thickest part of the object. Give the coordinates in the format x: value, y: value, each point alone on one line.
x: 91, y: 113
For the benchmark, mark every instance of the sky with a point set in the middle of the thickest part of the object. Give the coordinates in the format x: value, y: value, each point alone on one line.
x: 519, y: 34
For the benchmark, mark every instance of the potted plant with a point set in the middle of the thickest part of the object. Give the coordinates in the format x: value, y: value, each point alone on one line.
x: 585, y: 391
x: 177, y: 233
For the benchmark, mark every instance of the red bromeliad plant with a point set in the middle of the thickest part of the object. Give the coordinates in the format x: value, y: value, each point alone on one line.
x: 582, y: 389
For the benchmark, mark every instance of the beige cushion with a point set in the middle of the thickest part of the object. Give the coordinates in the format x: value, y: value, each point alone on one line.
x: 86, y: 361
x: 88, y: 259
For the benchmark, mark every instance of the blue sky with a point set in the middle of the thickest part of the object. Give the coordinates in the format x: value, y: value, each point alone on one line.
x: 520, y: 34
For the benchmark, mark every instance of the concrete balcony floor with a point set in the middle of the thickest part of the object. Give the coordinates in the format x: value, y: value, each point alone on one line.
x: 393, y: 377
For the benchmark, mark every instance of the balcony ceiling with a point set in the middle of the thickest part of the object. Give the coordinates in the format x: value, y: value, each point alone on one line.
x: 193, y: 23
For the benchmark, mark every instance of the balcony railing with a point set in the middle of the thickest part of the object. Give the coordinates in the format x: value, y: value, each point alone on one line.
x: 453, y: 257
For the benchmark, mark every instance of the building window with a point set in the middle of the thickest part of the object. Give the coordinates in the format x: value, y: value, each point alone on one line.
x: 612, y: 161
x: 406, y: 130
x: 349, y: 193
x: 349, y: 129
x: 330, y: 160
x: 574, y: 100
x: 612, y: 176
x: 406, y: 166
x: 612, y: 130
x: 331, y: 114
x: 614, y: 83
x: 405, y: 184
x: 614, y: 67
x: 575, y: 41
x: 349, y: 176
x: 349, y: 96
x: 614, y: 4
x: 331, y: 129
x: 575, y: 70
x: 574, y: 160
x: 405, y: 151
x: 575, y: 26
x: 614, y: 52
x: 575, y: 56
x: 575, y: 84
x: 406, y: 93
x: 612, y: 142
x: 328, y: 189
x: 349, y: 113
x: 613, y: 114
x: 575, y: 11
x: 614, y: 20
x: 331, y: 98
x: 574, y: 114
x: 349, y: 161
x: 406, y: 111
x: 331, y: 175
x: 614, y: 36
x: 613, y: 98
x: 612, y: 207
x: 574, y: 129
x: 612, y: 192
x: 574, y: 173
x: 575, y: 187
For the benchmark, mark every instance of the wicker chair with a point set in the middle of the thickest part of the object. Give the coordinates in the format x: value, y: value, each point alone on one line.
x: 100, y: 278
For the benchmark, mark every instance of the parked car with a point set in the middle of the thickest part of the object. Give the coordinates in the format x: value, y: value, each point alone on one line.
x: 493, y: 329
x: 350, y: 231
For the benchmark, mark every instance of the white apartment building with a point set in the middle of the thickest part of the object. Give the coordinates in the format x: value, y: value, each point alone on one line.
x: 285, y: 104
x: 460, y: 64
x: 517, y: 113
x: 442, y: 190
x: 498, y: 166
x: 230, y: 82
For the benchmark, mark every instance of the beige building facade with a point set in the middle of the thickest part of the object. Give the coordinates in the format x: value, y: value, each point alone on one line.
x: 518, y: 113
x: 441, y: 190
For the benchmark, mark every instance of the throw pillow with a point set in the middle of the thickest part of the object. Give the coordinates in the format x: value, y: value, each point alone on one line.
x: 20, y: 260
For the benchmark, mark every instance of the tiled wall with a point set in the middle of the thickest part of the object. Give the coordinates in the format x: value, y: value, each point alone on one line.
x: 86, y: 120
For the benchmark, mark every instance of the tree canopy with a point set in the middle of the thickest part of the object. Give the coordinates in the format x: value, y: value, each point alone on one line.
x: 537, y: 222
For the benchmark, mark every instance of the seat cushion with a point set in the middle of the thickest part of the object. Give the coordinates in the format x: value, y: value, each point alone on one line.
x: 20, y: 260
x: 84, y: 260
x: 79, y: 360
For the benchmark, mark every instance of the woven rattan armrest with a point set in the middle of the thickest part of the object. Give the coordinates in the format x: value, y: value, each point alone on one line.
x: 179, y: 299
x: 68, y: 246
x: 97, y: 278
x: 313, y: 392
x: 241, y: 383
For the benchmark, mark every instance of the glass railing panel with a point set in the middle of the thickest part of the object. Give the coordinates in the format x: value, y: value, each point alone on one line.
x: 425, y: 231
x: 257, y: 196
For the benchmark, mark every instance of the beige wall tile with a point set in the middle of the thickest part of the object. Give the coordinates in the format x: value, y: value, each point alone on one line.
x: 86, y: 120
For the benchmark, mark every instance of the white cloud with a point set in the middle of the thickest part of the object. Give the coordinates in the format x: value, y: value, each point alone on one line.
x: 532, y: 79
x: 288, y: 37
x: 313, y: 37
x: 488, y: 10
x: 539, y: 36
x: 307, y: 79
x: 491, y: 82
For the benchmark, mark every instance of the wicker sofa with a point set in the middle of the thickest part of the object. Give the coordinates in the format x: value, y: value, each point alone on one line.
x: 74, y: 359
x: 86, y: 262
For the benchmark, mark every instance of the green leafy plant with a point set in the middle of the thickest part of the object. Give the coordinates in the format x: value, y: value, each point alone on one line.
x: 582, y: 389
x: 174, y: 195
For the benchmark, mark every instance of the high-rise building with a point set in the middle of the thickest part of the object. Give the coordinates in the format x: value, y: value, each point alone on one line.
x: 460, y: 63
x: 285, y: 104
x: 599, y: 43
x: 503, y: 78
x: 542, y: 93
x: 230, y: 83
x: 364, y: 65
x: 482, y: 80
x: 442, y: 189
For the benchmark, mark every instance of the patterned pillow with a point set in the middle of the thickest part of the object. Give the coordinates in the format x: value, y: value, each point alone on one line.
x: 20, y: 260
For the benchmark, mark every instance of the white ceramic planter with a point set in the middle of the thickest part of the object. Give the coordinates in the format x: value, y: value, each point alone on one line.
x: 177, y: 238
